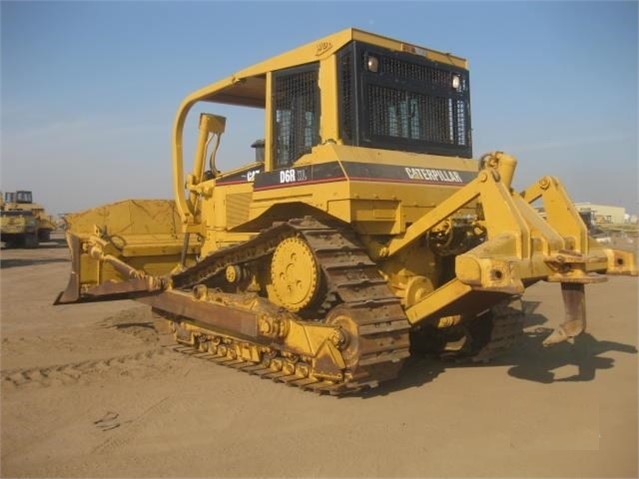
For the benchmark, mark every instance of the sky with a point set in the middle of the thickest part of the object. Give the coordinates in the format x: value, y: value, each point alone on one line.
x: 89, y: 90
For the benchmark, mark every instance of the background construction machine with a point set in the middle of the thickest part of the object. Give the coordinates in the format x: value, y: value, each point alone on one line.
x: 364, y: 231
x: 23, y: 222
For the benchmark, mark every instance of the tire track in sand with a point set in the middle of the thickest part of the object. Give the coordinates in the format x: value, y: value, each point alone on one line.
x: 133, y: 428
x: 68, y: 373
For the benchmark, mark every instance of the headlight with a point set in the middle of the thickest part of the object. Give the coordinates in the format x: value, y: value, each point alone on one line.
x: 372, y: 64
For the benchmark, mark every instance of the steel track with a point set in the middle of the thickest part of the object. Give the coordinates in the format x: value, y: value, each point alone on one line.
x: 352, y: 281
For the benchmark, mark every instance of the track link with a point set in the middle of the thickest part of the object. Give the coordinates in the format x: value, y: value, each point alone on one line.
x: 380, y: 320
x: 378, y: 324
x: 269, y: 368
x: 477, y: 339
x: 506, y: 330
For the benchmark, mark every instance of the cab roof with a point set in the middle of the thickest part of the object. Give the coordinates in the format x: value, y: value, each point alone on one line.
x: 247, y: 87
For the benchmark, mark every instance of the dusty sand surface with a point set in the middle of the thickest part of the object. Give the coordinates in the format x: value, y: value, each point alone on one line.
x: 89, y: 391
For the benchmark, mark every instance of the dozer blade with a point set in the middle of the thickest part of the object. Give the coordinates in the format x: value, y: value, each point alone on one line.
x: 123, y: 250
x: 71, y: 293
x: 139, y: 283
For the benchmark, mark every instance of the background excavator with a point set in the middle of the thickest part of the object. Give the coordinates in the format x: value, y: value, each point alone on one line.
x: 364, y: 230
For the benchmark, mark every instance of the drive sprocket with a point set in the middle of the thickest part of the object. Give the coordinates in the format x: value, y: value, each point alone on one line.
x: 295, y: 275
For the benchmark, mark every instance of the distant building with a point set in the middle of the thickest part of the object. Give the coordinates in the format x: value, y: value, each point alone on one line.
x: 604, y: 213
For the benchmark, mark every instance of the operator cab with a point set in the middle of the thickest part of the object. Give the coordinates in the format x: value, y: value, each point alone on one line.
x: 352, y: 89
x: 22, y: 197
x: 386, y: 100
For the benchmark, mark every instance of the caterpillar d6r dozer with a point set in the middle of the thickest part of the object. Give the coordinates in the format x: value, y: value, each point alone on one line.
x: 363, y: 231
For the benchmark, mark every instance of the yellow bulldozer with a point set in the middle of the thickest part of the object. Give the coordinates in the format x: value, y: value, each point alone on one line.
x: 364, y: 230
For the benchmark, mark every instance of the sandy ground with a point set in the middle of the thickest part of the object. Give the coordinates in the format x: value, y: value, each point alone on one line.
x: 88, y: 391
